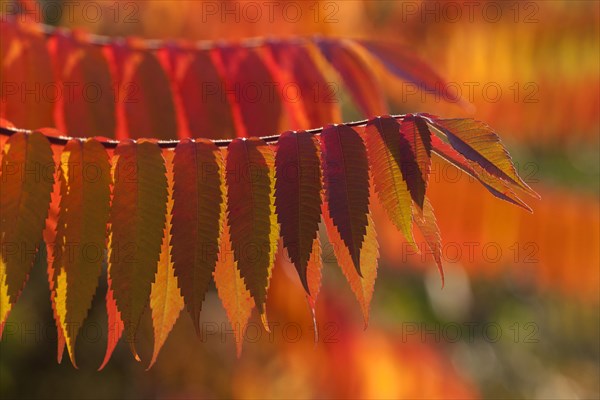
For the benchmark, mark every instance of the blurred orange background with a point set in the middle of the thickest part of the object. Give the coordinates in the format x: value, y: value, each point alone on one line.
x: 522, y: 290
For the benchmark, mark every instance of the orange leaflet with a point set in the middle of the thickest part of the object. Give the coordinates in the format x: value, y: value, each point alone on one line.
x: 23, y: 210
x: 166, y: 302
x: 250, y: 85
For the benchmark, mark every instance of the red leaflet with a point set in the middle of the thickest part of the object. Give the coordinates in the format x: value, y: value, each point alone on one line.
x: 199, y: 94
x: 251, y: 213
x: 137, y: 221
x: 415, y: 153
x: 198, y: 205
x: 346, y: 180
x: 250, y: 85
x: 310, y: 99
x: 298, y: 196
x: 145, y: 105
x: 356, y: 74
x: 25, y: 69
x: 87, y: 101
x: 403, y: 62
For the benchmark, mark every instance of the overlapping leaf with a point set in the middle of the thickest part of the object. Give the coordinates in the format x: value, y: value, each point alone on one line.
x: 198, y: 197
x: 232, y: 290
x: 25, y: 64
x: 251, y: 213
x: 477, y: 142
x: 199, y: 93
x: 346, y: 181
x: 26, y: 181
x: 402, y: 62
x: 495, y: 186
x: 428, y: 226
x: 357, y: 75
x: 362, y: 286
x: 304, y: 86
x: 137, y: 221
x: 145, y: 105
x: 250, y: 87
x: 415, y: 156
x: 87, y: 100
x: 115, y: 326
x: 81, y: 233
x: 384, y: 147
x: 298, y: 196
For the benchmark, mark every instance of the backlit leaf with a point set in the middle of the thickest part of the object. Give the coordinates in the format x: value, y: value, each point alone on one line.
x: 415, y: 156
x: 166, y: 302
x: 362, y: 286
x: 145, y: 105
x: 26, y: 181
x: 298, y: 189
x: 25, y: 64
x: 49, y: 235
x: 428, y: 227
x: 384, y: 143
x: 405, y: 64
x: 87, y: 103
x: 236, y: 299
x: 477, y: 142
x: 252, y: 89
x: 81, y: 233
x: 357, y: 75
x: 346, y: 181
x: 251, y: 213
x: 115, y: 326
x: 198, y: 198
x: 137, y: 220
x: 314, y: 276
x: 311, y: 99
x: 199, y: 94
x: 497, y: 187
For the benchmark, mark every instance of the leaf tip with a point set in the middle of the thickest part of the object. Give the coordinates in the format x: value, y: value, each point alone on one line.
x: 265, y: 322
x: 134, y: 352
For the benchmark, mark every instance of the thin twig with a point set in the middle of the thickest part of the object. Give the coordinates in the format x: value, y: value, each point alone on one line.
x: 170, y: 144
